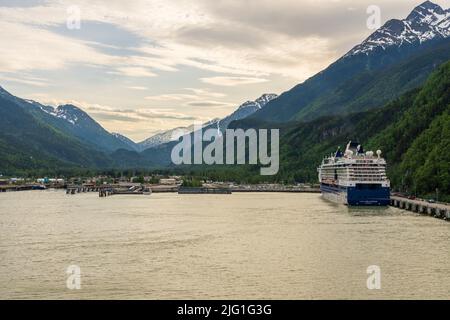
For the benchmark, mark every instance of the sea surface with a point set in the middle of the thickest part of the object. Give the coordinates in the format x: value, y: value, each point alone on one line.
x: 240, y: 246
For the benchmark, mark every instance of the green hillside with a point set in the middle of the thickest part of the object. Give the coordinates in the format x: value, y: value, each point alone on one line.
x: 418, y: 144
x: 28, y: 144
x: 373, y: 89
x: 413, y: 131
x: 359, y: 83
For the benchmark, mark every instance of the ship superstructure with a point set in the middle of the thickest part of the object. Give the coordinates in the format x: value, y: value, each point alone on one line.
x: 355, y: 177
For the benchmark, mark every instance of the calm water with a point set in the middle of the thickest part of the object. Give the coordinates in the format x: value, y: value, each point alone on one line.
x: 258, y: 246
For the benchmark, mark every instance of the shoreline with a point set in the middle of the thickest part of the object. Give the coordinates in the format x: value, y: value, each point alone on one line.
x: 437, y: 210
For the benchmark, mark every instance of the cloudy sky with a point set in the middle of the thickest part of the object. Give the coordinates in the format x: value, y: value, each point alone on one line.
x: 141, y: 66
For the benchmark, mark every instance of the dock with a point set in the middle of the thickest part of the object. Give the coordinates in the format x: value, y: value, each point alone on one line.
x: 275, y: 187
x: 134, y: 190
x: 281, y: 190
x: 437, y: 210
x: 203, y: 190
x: 164, y: 188
x: 108, y: 189
x: 25, y: 187
x: 82, y: 188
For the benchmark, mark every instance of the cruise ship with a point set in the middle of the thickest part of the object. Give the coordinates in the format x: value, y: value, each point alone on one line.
x: 355, y: 177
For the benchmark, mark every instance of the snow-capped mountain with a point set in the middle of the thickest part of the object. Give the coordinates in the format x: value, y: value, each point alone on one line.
x: 265, y: 99
x: 170, y: 135
x: 243, y: 111
x: 74, y: 120
x: 396, y: 58
x: 247, y: 109
x: 163, y: 137
x: 426, y: 22
x: 68, y: 112
x: 70, y: 120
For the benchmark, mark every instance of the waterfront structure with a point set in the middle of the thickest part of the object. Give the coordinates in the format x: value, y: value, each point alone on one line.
x: 168, y: 181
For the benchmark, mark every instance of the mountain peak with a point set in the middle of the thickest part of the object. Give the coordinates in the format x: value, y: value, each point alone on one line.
x: 266, y: 98
x: 258, y: 103
x: 68, y: 107
x: 426, y: 22
x: 71, y: 113
x: 430, y: 5
x: 428, y: 13
x: 246, y: 104
x: 247, y: 108
x: 244, y: 110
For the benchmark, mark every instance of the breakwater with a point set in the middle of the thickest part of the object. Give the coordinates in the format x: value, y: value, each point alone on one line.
x: 437, y: 210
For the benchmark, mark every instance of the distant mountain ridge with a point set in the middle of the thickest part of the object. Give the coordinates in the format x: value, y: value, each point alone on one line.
x: 392, y: 64
x: 27, y: 142
x: 72, y: 121
x: 76, y: 124
x: 79, y: 123
x: 159, y: 153
x: 168, y: 136
x: 348, y: 85
x: 247, y: 109
x: 243, y: 111
x: 412, y: 131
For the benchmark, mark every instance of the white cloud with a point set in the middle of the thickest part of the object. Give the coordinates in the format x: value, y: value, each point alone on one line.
x: 206, y: 93
x: 196, y: 94
x: 208, y: 104
x: 25, y: 79
x: 135, y: 72
x: 246, y: 38
x: 255, y: 44
x: 137, y: 88
x: 161, y: 23
x: 232, y: 81
x: 27, y: 48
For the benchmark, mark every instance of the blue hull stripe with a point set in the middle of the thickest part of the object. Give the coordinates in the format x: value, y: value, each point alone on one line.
x: 362, y: 195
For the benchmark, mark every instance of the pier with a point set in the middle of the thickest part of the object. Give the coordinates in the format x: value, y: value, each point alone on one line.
x: 282, y: 190
x: 105, y: 192
x: 83, y: 188
x: 437, y: 210
x: 133, y: 190
x: 25, y: 187
x: 274, y: 187
x: 203, y: 190
x: 108, y: 189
